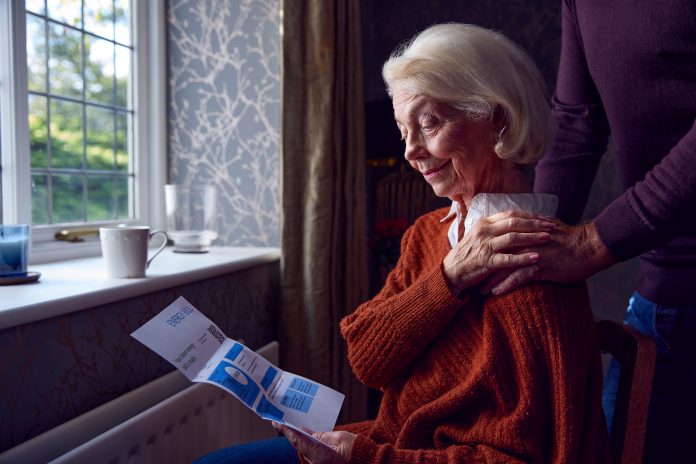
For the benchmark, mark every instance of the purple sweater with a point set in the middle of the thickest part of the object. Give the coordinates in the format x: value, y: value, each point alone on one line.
x: 628, y: 69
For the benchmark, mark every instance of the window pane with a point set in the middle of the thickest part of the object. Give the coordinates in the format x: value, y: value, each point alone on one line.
x: 36, y: 6
x: 99, y: 70
x: 79, y: 133
x: 67, y: 198
x: 39, y: 199
x: 66, y: 134
x: 66, y: 11
x: 36, y: 53
x: 121, y: 189
x: 38, y: 131
x: 122, y: 141
x: 100, y: 138
x: 122, y: 13
x: 65, y: 61
x: 101, y: 198
x: 123, y: 64
x: 99, y: 18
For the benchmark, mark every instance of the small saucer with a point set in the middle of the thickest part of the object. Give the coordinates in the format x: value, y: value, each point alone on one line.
x: 20, y: 279
x: 193, y: 250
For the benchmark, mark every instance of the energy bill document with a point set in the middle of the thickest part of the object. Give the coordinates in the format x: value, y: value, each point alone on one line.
x: 198, y: 348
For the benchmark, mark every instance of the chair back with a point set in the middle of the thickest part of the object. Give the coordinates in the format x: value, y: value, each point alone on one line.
x: 404, y: 194
x: 635, y: 353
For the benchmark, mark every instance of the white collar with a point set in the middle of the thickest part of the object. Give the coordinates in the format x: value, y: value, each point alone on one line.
x: 487, y: 204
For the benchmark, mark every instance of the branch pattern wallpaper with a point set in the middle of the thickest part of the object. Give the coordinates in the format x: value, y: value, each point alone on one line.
x: 224, y: 111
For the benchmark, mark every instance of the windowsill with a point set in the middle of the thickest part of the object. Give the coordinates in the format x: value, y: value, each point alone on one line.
x: 49, y: 251
x: 73, y: 285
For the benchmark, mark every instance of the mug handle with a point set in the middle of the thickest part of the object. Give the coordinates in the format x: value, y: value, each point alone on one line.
x: 159, y: 250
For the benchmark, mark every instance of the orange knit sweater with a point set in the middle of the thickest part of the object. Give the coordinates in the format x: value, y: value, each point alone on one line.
x: 515, y: 378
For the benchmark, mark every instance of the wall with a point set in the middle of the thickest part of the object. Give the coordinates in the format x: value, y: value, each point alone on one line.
x: 56, y: 369
x: 535, y: 25
x: 224, y: 110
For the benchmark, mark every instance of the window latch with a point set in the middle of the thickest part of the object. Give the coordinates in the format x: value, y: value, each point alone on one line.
x: 75, y: 235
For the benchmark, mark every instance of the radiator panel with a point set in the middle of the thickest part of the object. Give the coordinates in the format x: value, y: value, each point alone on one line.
x: 196, y: 420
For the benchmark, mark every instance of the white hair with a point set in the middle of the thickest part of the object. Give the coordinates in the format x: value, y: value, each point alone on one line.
x: 482, y: 73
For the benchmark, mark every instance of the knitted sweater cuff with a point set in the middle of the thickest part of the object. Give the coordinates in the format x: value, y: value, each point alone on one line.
x: 363, y: 451
x: 358, y: 428
x: 423, y: 312
x: 434, y: 291
x: 622, y: 231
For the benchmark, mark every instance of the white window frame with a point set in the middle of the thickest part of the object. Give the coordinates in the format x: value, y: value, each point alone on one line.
x: 149, y: 135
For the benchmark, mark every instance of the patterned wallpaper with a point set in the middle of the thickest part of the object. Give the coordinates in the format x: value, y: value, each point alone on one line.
x: 224, y: 110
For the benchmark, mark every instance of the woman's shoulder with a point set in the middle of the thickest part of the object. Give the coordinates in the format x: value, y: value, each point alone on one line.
x: 545, y: 317
x: 552, y: 292
x: 433, y: 219
x: 544, y: 302
x: 429, y: 225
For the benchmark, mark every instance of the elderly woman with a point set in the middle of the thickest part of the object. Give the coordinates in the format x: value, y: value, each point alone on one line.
x: 467, y: 378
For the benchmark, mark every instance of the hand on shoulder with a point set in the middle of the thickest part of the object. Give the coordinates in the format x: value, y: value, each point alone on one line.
x: 495, y: 243
x: 573, y: 253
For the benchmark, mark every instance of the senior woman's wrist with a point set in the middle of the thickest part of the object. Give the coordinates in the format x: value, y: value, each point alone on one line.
x: 457, y: 291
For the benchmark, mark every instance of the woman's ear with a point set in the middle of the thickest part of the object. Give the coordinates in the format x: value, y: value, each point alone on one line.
x: 499, y: 120
x: 498, y: 126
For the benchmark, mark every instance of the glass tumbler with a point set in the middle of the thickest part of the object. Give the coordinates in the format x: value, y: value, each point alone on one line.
x: 191, y: 216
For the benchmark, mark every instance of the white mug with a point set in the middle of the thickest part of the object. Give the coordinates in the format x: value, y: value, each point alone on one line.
x: 124, y: 249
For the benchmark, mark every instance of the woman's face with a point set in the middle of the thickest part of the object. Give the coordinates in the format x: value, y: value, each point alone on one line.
x: 452, y: 152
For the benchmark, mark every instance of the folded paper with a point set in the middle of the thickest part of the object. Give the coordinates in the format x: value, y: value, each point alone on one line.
x: 201, y: 351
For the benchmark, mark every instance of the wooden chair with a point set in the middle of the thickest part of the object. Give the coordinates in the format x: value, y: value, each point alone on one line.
x: 404, y: 194
x: 635, y: 353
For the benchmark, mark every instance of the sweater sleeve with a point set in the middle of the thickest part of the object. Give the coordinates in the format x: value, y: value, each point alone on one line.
x: 570, y: 166
x: 558, y: 319
x: 646, y: 215
x: 386, y: 334
x: 652, y: 211
x: 540, y: 360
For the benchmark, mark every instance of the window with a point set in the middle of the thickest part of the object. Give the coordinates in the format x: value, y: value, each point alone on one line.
x: 78, y: 73
x: 81, y: 84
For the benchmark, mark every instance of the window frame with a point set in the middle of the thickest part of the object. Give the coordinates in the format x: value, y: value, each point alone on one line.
x: 147, y: 144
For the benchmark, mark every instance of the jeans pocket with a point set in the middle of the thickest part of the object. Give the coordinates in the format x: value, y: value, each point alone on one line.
x: 653, y: 320
x: 664, y: 325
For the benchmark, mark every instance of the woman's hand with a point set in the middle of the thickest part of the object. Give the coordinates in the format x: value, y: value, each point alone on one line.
x: 495, y: 243
x: 574, y: 253
x: 340, y: 444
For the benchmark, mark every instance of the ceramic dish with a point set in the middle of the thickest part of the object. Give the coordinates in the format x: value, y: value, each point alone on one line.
x: 20, y: 279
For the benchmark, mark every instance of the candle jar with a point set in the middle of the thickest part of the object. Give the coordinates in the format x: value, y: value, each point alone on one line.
x: 14, y: 250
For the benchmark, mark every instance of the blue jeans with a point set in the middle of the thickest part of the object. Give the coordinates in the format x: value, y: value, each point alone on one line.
x: 271, y: 451
x: 671, y: 428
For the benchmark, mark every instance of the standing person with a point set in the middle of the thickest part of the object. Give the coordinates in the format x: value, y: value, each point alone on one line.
x: 628, y: 70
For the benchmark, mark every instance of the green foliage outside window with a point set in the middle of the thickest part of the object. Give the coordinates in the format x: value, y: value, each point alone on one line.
x: 79, y: 111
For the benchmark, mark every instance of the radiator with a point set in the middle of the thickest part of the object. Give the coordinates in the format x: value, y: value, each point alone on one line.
x: 179, y: 428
